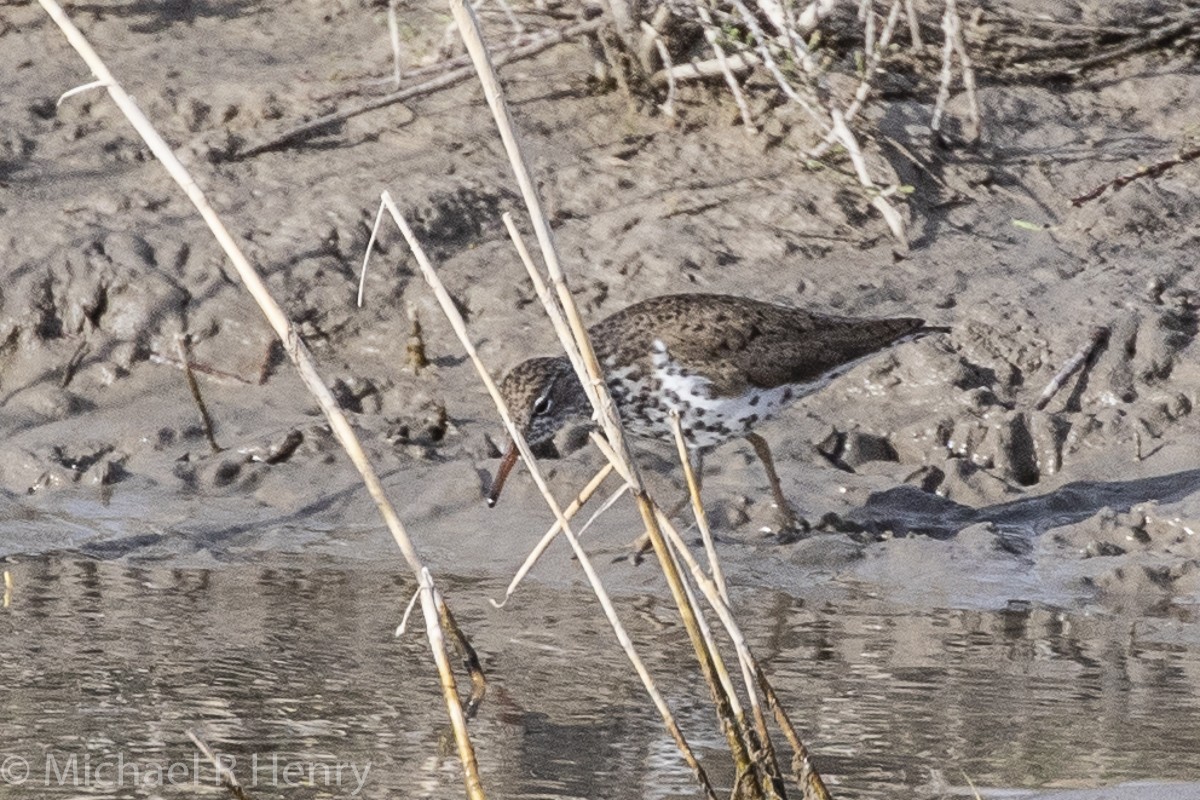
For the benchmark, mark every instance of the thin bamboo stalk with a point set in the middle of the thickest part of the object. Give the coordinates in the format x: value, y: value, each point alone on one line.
x: 287, y: 333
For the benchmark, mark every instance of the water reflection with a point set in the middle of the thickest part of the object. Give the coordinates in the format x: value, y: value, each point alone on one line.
x: 295, y: 664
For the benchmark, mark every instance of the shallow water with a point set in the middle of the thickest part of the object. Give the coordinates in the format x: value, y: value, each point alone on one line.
x: 295, y: 663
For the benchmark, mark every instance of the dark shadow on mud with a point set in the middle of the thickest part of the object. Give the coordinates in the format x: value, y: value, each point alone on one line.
x: 907, y: 509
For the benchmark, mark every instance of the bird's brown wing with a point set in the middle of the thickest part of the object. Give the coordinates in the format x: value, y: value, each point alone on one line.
x: 737, y: 342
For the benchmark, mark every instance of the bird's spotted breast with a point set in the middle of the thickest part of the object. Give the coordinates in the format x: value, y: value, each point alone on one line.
x: 646, y: 398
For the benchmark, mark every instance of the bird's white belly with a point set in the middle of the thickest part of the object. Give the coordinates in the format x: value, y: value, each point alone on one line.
x: 706, y: 418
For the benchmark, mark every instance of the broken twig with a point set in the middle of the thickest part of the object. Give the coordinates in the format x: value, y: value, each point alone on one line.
x: 1146, y: 171
x: 1097, y: 337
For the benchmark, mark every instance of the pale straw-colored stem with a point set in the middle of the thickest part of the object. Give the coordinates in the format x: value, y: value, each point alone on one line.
x: 664, y: 55
x: 711, y: 35
x: 890, y: 215
x: 430, y: 602
x: 949, y: 24
x: 460, y: 329
x: 968, y: 70
x: 394, y: 36
x: 591, y: 376
x: 569, y: 512
x: 764, y: 52
x: 875, y: 55
x: 714, y: 564
x: 283, y: 327
x: 914, y: 24
x: 549, y: 301
x: 752, y: 672
x: 697, y: 70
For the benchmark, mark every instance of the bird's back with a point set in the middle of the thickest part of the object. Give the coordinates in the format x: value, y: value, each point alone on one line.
x: 738, y: 342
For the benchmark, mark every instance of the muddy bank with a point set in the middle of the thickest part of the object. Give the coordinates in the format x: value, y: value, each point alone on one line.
x: 108, y: 265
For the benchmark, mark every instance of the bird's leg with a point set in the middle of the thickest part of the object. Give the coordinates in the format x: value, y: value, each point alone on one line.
x: 788, y: 520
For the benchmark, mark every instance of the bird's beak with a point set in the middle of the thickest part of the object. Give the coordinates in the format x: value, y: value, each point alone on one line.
x: 506, y: 465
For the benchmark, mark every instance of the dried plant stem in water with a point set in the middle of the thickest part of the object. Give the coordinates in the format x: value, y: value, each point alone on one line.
x: 693, y: 486
x: 569, y: 512
x: 470, y: 659
x: 460, y: 329
x: 287, y: 333
x: 432, y: 604
x: 592, y: 379
x: 808, y: 778
x: 224, y: 774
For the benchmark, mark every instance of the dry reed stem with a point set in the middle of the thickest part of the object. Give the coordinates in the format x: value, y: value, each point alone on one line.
x: 764, y: 52
x: 679, y: 549
x: 275, y: 315
x: 953, y: 43
x: 459, y: 327
x: 554, y: 311
x: 809, y: 779
x: 591, y: 376
x: 710, y: 35
x: 569, y: 512
x: 198, y: 368
x: 693, y: 485
x: 362, y: 278
x: 1096, y: 337
x: 892, y: 217
x: 224, y: 774
x: 431, y: 603
x: 515, y: 53
x: 698, y: 70
x: 468, y: 656
x: 765, y: 779
x: 968, y: 71
x: 1147, y: 171
x: 548, y: 300
x: 667, y: 107
x: 947, y: 74
x: 394, y: 36
x: 914, y: 25
x: 402, y: 628
x: 804, y: 777
x: 874, y: 55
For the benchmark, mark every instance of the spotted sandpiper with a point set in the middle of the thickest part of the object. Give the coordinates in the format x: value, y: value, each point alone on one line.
x: 723, y: 363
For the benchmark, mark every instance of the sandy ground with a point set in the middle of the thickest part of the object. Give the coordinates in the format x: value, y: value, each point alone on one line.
x: 954, y: 491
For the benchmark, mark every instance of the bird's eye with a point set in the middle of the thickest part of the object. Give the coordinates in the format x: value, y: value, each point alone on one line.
x: 542, y: 406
